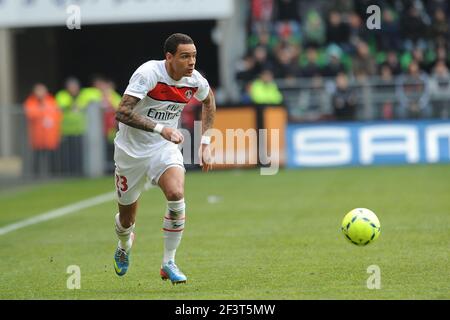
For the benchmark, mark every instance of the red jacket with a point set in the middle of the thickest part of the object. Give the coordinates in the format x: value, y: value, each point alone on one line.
x: 44, y: 123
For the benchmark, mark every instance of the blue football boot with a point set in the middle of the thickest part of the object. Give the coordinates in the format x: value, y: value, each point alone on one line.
x: 122, y: 259
x: 170, y: 271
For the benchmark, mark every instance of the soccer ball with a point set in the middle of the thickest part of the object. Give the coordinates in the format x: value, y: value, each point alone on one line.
x: 361, y: 226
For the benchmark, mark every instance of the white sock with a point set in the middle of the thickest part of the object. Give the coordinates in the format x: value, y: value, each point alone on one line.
x: 173, y: 227
x: 124, y: 235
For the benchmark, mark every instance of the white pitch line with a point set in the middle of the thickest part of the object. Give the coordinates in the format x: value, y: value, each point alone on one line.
x: 64, y: 211
x: 77, y: 206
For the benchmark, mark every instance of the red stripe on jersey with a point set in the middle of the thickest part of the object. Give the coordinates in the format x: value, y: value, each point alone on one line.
x: 164, y: 92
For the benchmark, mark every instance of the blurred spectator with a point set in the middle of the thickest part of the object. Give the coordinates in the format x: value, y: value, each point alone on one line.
x: 73, y: 107
x: 418, y: 56
x: 288, y: 32
x: 245, y: 69
x: 261, y: 14
x: 314, y: 29
x: 440, y: 90
x: 286, y: 62
x: 262, y: 60
x: 386, y: 74
x: 433, y: 5
x: 393, y: 63
x: 287, y: 10
x: 441, y: 55
x: 413, y: 28
x: 44, y: 124
x: 294, y: 49
x: 334, y: 65
x: 287, y: 23
x: 357, y: 30
x: 311, y: 102
x: 245, y: 96
x: 312, y: 67
x: 344, y: 99
x: 440, y: 28
x: 262, y: 38
x: 109, y: 101
x: 413, y: 93
x: 337, y: 31
x: 389, y: 37
x: 74, y: 102
x: 245, y: 74
x: 264, y: 90
x: 364, y: 62
x: 386, y: 91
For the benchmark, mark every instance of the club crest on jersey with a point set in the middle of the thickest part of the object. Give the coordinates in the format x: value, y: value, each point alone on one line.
x: 188, y: 94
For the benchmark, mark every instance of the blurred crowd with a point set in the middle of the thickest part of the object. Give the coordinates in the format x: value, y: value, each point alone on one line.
x: 321, y: 40
x: 322, y: 49
x: 57, y: 124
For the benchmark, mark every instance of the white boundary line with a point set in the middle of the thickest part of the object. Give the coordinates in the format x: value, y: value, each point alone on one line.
x: 77, y: 206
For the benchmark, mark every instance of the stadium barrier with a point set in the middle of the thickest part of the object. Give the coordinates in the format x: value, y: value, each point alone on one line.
x: 246, y: 144
x: 86, y: 155
x: 246, y: 136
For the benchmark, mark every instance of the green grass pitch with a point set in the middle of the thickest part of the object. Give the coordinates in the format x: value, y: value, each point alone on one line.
x: 263, y: 237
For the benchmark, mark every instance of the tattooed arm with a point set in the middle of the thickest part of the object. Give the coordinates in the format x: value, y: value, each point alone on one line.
x: 127, y: 115
x: 208, y: 115
x: 208, y: 112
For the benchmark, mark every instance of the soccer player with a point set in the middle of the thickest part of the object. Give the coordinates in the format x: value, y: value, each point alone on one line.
x: 146, y: 145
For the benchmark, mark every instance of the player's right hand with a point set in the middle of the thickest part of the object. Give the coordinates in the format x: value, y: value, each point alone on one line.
x: 172, y: 135
x: 204, y: 154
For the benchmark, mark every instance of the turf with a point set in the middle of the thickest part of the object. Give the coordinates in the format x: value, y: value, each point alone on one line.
x: 247, y: 237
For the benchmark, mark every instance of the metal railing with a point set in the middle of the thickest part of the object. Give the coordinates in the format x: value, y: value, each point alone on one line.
x: 373, y: 98
x: 87, y: 155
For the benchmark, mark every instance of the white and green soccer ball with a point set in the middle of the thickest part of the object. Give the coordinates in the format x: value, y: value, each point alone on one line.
x: 361, y: 226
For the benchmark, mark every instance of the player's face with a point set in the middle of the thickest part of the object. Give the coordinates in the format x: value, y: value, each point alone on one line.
x: 183, y: 62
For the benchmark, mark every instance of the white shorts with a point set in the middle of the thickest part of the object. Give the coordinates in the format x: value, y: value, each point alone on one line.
x: 132, y: 173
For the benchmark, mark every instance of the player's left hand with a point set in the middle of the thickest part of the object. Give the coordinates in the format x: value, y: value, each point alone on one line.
x: 204, y: 154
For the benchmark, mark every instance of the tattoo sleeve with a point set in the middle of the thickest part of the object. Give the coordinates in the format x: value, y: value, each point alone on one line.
x: 128, y: 116
x: 208, y: 112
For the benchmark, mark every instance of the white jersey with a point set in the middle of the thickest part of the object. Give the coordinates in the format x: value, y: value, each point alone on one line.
x: 162, y: 100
